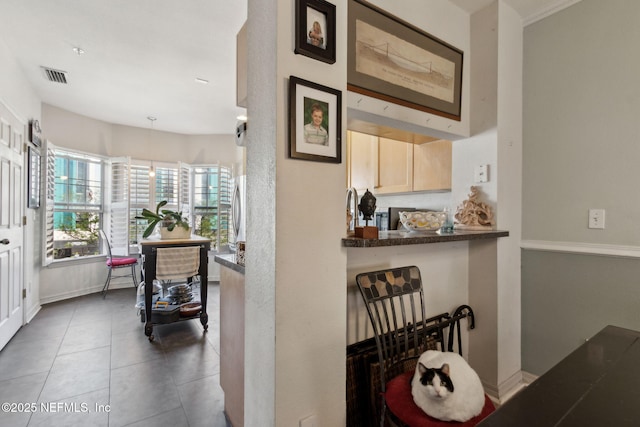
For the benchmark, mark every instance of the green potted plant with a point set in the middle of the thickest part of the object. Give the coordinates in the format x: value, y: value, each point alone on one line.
x: 172, y: 224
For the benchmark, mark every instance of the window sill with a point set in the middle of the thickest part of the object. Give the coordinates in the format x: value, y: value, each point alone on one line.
x: 66, y: 262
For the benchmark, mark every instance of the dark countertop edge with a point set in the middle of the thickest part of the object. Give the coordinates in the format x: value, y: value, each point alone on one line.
x: 401, y: 238
x: 229, y: 261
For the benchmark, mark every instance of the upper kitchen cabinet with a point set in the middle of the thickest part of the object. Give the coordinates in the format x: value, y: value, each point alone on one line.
x: 241, y: 67
x: 395, y: 166
x: 388, y: 166
x: 362, y: 158
x: 432, y: 166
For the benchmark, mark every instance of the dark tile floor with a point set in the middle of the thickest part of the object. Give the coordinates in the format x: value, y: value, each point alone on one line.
x: 87, y: 362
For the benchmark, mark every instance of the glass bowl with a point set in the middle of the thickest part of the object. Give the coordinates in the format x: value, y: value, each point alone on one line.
x: 422, y: 220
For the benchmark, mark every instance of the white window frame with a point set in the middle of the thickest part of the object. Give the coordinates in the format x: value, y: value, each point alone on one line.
x: 49, y: 194
x: 117, y: 206
x: 223, y: 206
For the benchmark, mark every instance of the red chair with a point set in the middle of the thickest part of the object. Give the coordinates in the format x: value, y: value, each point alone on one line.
x: 395, y: 303
x: 115, y: 263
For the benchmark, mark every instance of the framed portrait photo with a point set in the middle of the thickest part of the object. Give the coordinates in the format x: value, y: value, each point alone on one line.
x: 316, y: 30
x: 315, y: 122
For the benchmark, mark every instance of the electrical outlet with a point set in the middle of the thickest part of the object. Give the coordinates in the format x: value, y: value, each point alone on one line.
x: 596, y: 218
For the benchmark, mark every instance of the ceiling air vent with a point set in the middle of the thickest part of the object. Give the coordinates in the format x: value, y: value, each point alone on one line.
x: 55, y: 75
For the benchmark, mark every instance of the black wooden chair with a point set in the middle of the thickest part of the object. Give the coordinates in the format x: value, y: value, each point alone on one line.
x: 395, y: 303
x: 116, y: 263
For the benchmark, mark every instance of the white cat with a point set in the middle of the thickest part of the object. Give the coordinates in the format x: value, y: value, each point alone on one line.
x: 445, y: 387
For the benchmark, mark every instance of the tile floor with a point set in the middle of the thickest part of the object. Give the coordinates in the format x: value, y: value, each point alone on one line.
x: 87, y: 362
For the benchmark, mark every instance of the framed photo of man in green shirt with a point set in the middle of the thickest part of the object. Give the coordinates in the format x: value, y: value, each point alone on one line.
x: 315, y: 125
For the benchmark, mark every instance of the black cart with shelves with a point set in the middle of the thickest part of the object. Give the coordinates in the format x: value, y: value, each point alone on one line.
x: 149, y: 249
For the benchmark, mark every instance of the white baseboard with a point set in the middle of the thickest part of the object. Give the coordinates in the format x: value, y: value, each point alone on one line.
x: 32, y: 313
x: 528, y: 377
x: 507, y: 389
x: 73, y: 294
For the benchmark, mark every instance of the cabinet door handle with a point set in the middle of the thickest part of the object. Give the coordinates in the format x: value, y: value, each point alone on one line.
x: 5, y: 241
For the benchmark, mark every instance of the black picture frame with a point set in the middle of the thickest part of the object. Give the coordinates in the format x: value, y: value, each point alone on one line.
x: 392, y: 60
x: 308, y: 142
x: 33, y: 178
x: 34, y: 133
x: 311, y: 14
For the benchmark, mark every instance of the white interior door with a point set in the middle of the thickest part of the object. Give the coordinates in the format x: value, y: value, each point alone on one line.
x: 12, y: 189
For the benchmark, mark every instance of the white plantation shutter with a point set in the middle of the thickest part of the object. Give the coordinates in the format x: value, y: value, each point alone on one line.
x: 185, y: 193
x: 49, y: 192
x: 130, y: 189
x: 139, y: 198
x: 166, y: 185
x: 118, y: 230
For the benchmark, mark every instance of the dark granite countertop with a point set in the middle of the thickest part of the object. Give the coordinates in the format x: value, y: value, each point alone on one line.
x: 229, y: 261
x: 399, y: 238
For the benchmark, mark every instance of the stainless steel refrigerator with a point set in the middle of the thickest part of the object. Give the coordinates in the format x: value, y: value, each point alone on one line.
x: 238, y: 212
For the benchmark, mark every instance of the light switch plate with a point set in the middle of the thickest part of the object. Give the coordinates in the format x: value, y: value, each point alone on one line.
x: 481, y: 173
x: 596, y: 218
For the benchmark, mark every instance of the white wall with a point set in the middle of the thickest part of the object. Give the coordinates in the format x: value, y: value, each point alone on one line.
x: 18, y: 96
x: 444, y: 270
x: 74, y: 131
x: 295, y: 275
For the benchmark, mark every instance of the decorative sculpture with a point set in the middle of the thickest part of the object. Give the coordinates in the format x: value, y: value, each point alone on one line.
x: 367, y: 207
x: 473, y: 214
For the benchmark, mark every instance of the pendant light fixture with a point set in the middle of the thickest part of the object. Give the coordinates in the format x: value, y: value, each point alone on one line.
x: 151, y: 119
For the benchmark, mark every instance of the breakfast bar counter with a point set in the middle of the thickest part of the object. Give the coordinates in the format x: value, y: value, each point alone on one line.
x: 401, y: 238
x: 232, y: 337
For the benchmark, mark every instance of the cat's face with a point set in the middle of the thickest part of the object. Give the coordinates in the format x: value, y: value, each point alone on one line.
x: 437, y: 383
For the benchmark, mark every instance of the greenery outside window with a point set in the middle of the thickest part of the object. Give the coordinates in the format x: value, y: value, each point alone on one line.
x: 78, y: 205
x: 212, y: 203
x: 75, y: 204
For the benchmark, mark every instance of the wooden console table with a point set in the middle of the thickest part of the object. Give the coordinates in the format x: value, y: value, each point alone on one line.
x: 596, y: 385
x: 149, y: 259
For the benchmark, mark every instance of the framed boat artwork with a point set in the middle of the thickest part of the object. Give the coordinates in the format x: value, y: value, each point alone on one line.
x: 392, y: 60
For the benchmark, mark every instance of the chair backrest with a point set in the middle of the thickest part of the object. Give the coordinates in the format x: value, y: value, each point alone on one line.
x: 103, y: 236
x: 395, y: 303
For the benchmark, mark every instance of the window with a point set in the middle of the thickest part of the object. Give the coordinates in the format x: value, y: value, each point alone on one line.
x: 212, y: 203
x: 78, y: 206
x: 135, y: 185
x: 74, y: 204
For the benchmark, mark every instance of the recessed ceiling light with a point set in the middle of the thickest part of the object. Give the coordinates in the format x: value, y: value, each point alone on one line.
x: 202, y: 81
x: 78, y: 50
x: 242, y: 117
